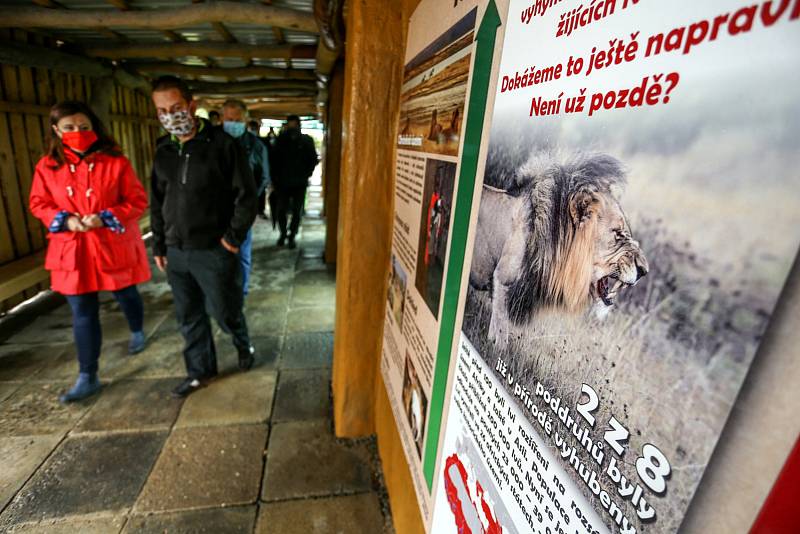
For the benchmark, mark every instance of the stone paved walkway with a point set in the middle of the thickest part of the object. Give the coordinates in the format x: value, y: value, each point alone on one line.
x: 253, y: 452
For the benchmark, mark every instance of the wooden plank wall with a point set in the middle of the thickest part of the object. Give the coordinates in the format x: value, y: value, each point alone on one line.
x: 26, y: 94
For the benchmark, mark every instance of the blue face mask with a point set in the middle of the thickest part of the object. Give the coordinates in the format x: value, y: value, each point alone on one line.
x: 234, y: 129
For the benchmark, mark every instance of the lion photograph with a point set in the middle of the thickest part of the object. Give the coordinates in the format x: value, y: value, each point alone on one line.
x: 561, y: 242
x: 628, y: 260
x: 593, y: 265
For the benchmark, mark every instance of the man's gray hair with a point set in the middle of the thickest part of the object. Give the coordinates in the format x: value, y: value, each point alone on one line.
x: 233, y: 103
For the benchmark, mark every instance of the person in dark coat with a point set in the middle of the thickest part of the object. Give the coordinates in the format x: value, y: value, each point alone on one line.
x: 203, y: 203
x: 295, y: 160
x: 234, y: 115
x: 214, y: 118
x: 87, y: 194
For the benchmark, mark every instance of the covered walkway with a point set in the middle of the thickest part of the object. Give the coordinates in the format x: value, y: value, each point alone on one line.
x: 253, y: 452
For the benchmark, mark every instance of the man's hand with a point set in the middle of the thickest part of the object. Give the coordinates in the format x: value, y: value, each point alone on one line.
x: 74, y: 224
x: 161, y: 263
x: 230, y: 248
x: 92, y: 221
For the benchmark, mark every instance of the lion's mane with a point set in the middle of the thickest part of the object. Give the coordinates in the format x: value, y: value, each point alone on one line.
x: 558, y: 256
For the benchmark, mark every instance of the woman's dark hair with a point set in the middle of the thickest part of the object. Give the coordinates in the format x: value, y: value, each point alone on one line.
x: 55, y: 148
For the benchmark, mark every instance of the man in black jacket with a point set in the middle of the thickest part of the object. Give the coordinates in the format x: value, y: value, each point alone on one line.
x: 203, y: 204
x: 295, y: 159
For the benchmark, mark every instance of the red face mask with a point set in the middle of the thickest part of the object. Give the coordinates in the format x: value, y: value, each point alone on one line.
x: 81, y: 140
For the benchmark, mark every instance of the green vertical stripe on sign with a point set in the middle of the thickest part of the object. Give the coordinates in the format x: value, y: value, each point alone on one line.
x: 484, y: 52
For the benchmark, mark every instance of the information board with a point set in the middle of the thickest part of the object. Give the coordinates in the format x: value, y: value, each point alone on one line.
x: 635, y: 215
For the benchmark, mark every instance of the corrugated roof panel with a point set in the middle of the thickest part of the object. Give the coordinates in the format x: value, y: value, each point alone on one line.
x: 191, y: 60
x: 296, y: 37
x: 12, y: 3
x: 82, y: 36
x: 302, y: 5
x: 229, y: 62
x: 252, y: 33
x: 143, y: 36
x: 280, y: 63
x: 203, y: 33
x: 310, y: 64
x: 84, y: 4
x: 217, y: 79
x: 158, y: 4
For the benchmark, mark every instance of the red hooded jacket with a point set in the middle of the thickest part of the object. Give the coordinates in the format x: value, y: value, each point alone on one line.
x: 99, y: 259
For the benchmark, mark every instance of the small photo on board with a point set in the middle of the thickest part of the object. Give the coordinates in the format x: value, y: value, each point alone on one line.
x: 397, y: 292
x: 415, y: 403
x: 437, y: 204
x: 434, y: 90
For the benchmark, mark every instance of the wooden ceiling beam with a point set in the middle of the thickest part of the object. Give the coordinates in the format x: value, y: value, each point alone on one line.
x: 298, y: 87
x: 203, y: 49
x: 169, y: 18
x: 172, y: 36
x: 123, y: 5
x: 119, y: 4
x: 105, y: 32
x: 49, y: 4
x: 23, y: 54
x: 220, y: 28
x: 277, y: 32
x: 259, y: 102
x: 14, y: 53
x: 223, y: 32
x: 223, y: 92
x: 111, y: 34
x: 236, y: 72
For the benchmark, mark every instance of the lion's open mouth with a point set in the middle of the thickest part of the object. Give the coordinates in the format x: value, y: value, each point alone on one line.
x: 608, y: 288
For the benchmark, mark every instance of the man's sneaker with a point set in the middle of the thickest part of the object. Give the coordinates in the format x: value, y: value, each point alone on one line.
x: 281, y: 241
x: 291, y: 243
x: 247, y: 358
x: 137, y: 343
x: 86, y: 386
x: 187, y: 387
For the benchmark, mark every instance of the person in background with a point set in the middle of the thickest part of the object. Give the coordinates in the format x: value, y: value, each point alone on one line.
x: 269, y: 141
x: 294, y: 163
x: 234, y: 116
x: 254, y: 127
x: 203, y: 202
x: 214, y: 118
x: 87, y: 194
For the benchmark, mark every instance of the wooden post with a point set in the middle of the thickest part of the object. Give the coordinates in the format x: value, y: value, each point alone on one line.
x: 373, y: 75
x: 373, y: 67
x: 333, y: 161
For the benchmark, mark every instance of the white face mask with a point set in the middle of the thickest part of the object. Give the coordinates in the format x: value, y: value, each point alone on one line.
x: 178, y: 123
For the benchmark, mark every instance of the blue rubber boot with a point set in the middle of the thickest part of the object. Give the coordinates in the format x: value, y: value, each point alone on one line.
x: 137, y: 343
x: 86, y: 386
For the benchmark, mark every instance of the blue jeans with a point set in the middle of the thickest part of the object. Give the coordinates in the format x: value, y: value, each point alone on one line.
x: 86, y: 323
x: 246, y: 260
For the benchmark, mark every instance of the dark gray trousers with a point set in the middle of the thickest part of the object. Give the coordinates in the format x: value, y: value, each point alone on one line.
x: 206, y: 282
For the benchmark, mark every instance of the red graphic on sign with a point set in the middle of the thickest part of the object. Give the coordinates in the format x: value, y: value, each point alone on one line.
x: 466, y: 513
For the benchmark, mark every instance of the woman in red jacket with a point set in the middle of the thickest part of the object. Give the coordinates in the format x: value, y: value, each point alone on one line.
x: 87, y: 194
